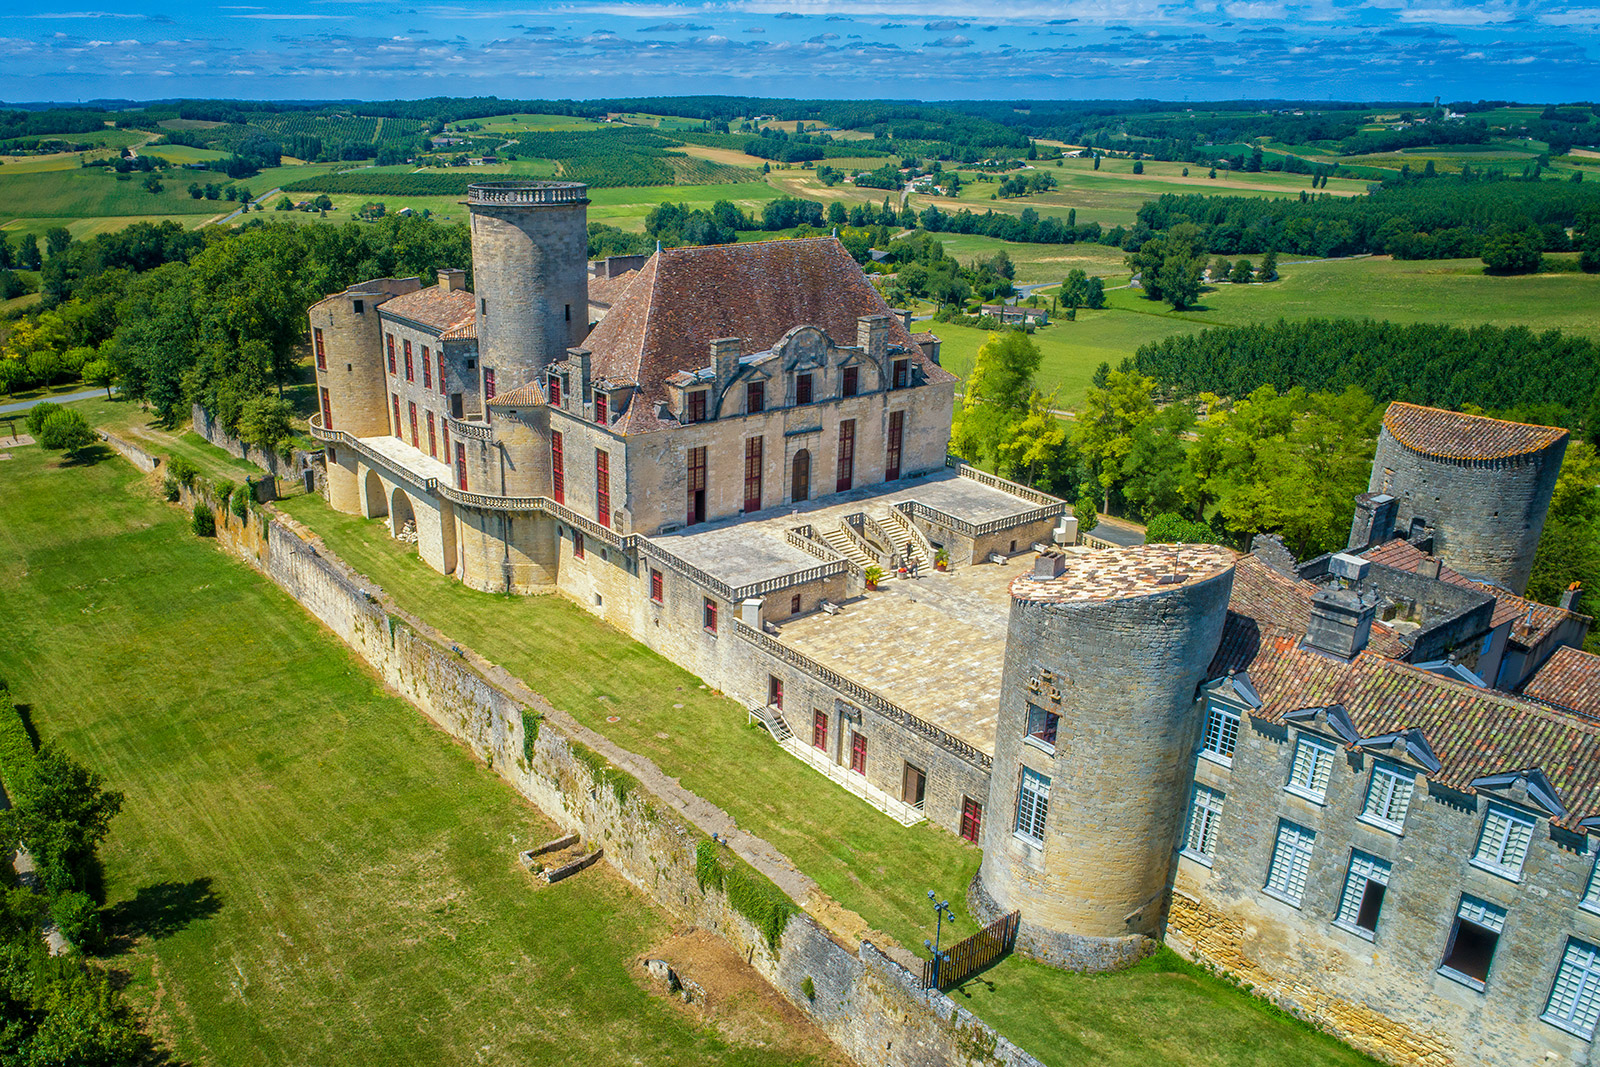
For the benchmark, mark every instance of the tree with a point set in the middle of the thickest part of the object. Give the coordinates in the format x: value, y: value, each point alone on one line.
x: 99, y: 371
x: 1169, y: 528
x: 837, y: 214
x: 266, y: 421
x: 62, y: 812
x: 1569, y: 548
x: 1095, y: 294
x: 1103, y: 432
x: 1075, y: 290
x: 1034, y: 448
x: 28, y: 252
x: 1138, y: 166
x: 1221, y: 270
x: 66, y: 431
x: 1154, y: 475
x: 1269, y: 266
x: 998, y: 395
x: 1512, y: 252
x: 56, y: 239
x: 1097, y: 161
x: 1086, y: 509
x: 1171, y: 265
x: 1243, y: 272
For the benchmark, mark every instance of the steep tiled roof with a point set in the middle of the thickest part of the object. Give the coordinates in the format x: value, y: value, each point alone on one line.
x: 683, y: 298
x: 467, y: 331
x: 1570, y: 678
x: 1531, y: 621
x: 436, y: 307
x: 1259, y: 592
x: 924, y: 337
x: 524, y: 396
x: 1452, y: 435
x: 604, y: 292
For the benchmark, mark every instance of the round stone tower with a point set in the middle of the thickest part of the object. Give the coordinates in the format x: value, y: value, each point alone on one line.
x: 1094, y: 745
x: 1481, y: 485
x: 530, y: 249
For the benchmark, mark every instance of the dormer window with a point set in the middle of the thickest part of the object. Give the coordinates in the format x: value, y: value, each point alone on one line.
x: 802, y: 388
x: 852, y: 381
x: 697, y: 406
x: 755, y: 398
x: 902, y: 373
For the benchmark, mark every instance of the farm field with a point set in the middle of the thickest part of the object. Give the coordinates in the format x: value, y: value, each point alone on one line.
x: 178, y: 153
x: 93, y: 194
x: 306, y: 870
x: 1039, y: 262
x: 84, y: 228
x: 625, y: 207
x: 524, y: 124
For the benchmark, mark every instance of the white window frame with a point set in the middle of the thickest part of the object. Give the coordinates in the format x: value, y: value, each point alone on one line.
x: 1575, y: 1008
x: 1506, y: 834
x: 1033, y: 806
x: 1386, y: 783
x: 1364, y: 868
x: 1311, y: 769
x: 1591, y: 896
x: 1481, y: 913
x: 1293, y: 846
x: 1205, y: 815
x: 1223, y: 726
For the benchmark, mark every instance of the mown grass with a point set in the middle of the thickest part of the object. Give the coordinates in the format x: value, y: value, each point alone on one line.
x: 1037, y: 262
x: 94, y: 192
x: 310, y: 872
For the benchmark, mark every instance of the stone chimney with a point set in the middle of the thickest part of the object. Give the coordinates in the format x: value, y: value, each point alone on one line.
x: 1049, y: 565
x: 872, y: 334
x: 1572, y: 597
x: 1373, y: 523
x: 1429, y: 567
x: 452, y: 278
x: 725, y: 353
x: 579, y: 358
x: 1341, y: 623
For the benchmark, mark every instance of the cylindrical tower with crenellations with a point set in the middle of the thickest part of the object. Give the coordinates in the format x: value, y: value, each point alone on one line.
x: 1094, y: 745
x: 530, y: 268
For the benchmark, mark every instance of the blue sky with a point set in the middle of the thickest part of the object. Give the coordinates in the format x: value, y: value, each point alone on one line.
x: 927, y: 49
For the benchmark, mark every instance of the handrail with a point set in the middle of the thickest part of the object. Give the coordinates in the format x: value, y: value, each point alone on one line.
x: 916, y: 534
x: 340, y: 437
x: 803, y: 538
x: 732, y: 593
x: 993, y: 481
x: 862, y: 695
x: 981, y: 529
x: 473, y: 431
x: 851, y: 524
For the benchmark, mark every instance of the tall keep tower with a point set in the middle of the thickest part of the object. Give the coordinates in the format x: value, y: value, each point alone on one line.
x: 1481, y: 485
x: 1094, y: 745
x: 530, y: 264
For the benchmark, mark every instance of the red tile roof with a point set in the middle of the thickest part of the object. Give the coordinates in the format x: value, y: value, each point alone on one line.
x: 523, y: 396
x: 437, y: 308
x: 1259, y: 592
x: 1570, y: 678
x: 683, y: 298
x: 1452, y: 435
x: 604, y: 292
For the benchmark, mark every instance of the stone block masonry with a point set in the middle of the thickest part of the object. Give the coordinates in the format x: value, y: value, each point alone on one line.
x: 647, y: 825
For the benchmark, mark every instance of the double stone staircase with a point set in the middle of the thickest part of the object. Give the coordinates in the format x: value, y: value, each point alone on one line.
x: 888, y: 526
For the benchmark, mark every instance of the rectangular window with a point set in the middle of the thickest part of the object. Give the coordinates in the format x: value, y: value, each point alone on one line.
x: 1574, y: 1003
x: 461, y: 466
x: 1042, y: 724
x: 774, y: 692
x: 858, y: 753
x: 553, y: 388
x: 427, y: 368
x: 708, y: 616
x: 398, y: 431
x: 914, y: 785
x: 327, y: 409
x: 488, y: 383
x: 971, y: 819
x: 752, y: 474
x: 1291, y: 862
x: 1205, y: 819
x: 697, y: 485
x: 578, y: 551
x: 416, y: 441
x: 1473, y: 939
x: 1033, y: 805
x: 697, y: 406
x: 794, y: 604
x: 558, y: 468
x: 601, y: 415
x: 1222, y: 733
x: 902, y: 373
x: 1591, y: 899
x: 1364, y: 887
x: 1503, y: 844
x: 409, y: 378
x: 657, y: 586
x: 1388, y: 797
x: 847, y: 455
x: 440, y: 357
x: 891, y: 463
x: 1313, y: 763
x: 852, y: 381
x: 433, y: 443
x: 602, y: 487
x: 390, y: 338
x: 322, y: 355
x: 755, y: 398
x: 802, y: 388
x: 444, y: 426
x: 819, y: 730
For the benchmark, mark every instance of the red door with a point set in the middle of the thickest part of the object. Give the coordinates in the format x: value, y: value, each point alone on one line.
x: 819, y: 730
x: 858, y: 753
x: 847, y: 455
x: 897, y: 426
x: 752, y: 474
x: 971, y: 818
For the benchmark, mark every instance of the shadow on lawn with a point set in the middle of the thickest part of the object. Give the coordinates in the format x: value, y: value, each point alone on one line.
x: 158, y: 911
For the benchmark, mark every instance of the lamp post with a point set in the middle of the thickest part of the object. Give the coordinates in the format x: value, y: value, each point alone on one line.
x: 941, y: 909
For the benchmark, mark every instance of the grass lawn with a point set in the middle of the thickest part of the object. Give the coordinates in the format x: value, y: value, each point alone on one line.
x: 309, y: 872
x: 94, y: 192
x: 93, y: 226
x: 1036, y: 262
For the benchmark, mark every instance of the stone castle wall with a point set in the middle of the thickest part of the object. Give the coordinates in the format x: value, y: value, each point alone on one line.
x: 213, y: 431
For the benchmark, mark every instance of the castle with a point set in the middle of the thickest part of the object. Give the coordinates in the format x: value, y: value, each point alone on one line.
x: 1368, y: 784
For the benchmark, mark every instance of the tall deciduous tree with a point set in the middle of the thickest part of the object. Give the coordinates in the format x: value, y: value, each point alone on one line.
x: 997, y: 395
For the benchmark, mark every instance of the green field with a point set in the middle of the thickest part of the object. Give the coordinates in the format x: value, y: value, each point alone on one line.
x: 305, y: 870
x: 84, y: 228
x: 626, y: 207
x: 1040, y: 263
x: 93, y: 193
x: 178, y: 153
x: 526, y: 124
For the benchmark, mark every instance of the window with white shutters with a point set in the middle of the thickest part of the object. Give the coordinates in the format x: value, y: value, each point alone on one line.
x: 1313, y: 763
x: 1222, y: 733
x: 1364, y: 890
x: 1033, y: 804
x: 1291, y: 862
x: 1503, y: 845
x: 1574, y: 1003
x: 1473, y: 939
x: 1388, y: 797
x: 1205, y: 817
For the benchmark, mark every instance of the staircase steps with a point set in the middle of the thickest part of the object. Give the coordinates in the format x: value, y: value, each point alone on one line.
x: 842, y: 543
x: 898, y: 527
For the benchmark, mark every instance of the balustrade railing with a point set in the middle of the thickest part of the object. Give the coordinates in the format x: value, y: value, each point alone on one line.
x: 1017, y: 489
x: 472, y: 431
x: 527, y: 192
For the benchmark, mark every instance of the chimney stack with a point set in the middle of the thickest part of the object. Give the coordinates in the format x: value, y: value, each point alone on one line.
x: 1429, y: 567
x: 1341, y: 623
x: 725, y: 353
x: 1049, y: 565
x: 1572, y: 597
x: 452, y: 278
x: 872, y: 334
x: 1374, y: 519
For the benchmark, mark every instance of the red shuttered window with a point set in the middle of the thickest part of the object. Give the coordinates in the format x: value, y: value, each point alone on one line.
x: 558, y: 468
x: 409, y: 376
x: 414, y: 438
x: 322, y: 355
x: 427, y: 369
x: 398, y: 431
x: 327, y: 411
x: 461, y: 466
x: 432, y: 441
x: 752, y: 474
x: 440, y: 357
x: 657, y: 591
x: 391, y: 352
x: 602, y: 487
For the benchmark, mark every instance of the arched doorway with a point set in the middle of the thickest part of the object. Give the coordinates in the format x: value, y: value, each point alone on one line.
x: 402, y: 520
x: 377, y: 504
x: 800, y: 478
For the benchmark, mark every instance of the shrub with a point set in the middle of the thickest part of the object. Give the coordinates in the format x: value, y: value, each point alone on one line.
x: 203, y: 522
x: 1168, y: 528
x: 66, y: 431
x: 873, y: 574
x: 530, y: 732
x: 78, y: 918
x: 224, y: 493
x: 38, y: 414
x: 240, y: 503
x: 749, y: 892
x: 809, y: 988
x: 182, y: 470
x: 169, y: 489
x: 16, y: 746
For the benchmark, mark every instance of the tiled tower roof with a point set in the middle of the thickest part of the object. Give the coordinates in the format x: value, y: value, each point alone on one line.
x: 1452, y: 435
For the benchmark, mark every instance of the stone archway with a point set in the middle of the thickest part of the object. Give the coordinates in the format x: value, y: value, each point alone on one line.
x: 800, y: 477
x: 402, y: 516
x: 375, y: 502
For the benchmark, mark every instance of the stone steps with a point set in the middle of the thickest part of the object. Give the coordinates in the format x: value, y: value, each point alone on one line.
x: 842, y: 543
x: 898, y: 527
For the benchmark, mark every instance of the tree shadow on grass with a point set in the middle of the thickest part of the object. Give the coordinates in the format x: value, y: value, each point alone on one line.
x: 87, y: 456
x: 158, y: 911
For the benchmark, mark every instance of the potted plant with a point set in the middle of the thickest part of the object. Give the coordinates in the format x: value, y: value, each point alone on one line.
x: 941, y: 560
x: 874, y: 575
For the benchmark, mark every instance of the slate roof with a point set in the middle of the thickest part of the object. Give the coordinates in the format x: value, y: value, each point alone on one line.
x: 1570, y: 678
x: 437, y: 308
x: 1473, y: 732
x: 683, y: 298
x: 1452, y: 435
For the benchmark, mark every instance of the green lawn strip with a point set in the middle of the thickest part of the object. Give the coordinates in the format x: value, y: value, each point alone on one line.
x: 133, y: 423
x: 859, y: 856
x: 322, y: 877
x: 95, y: 192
